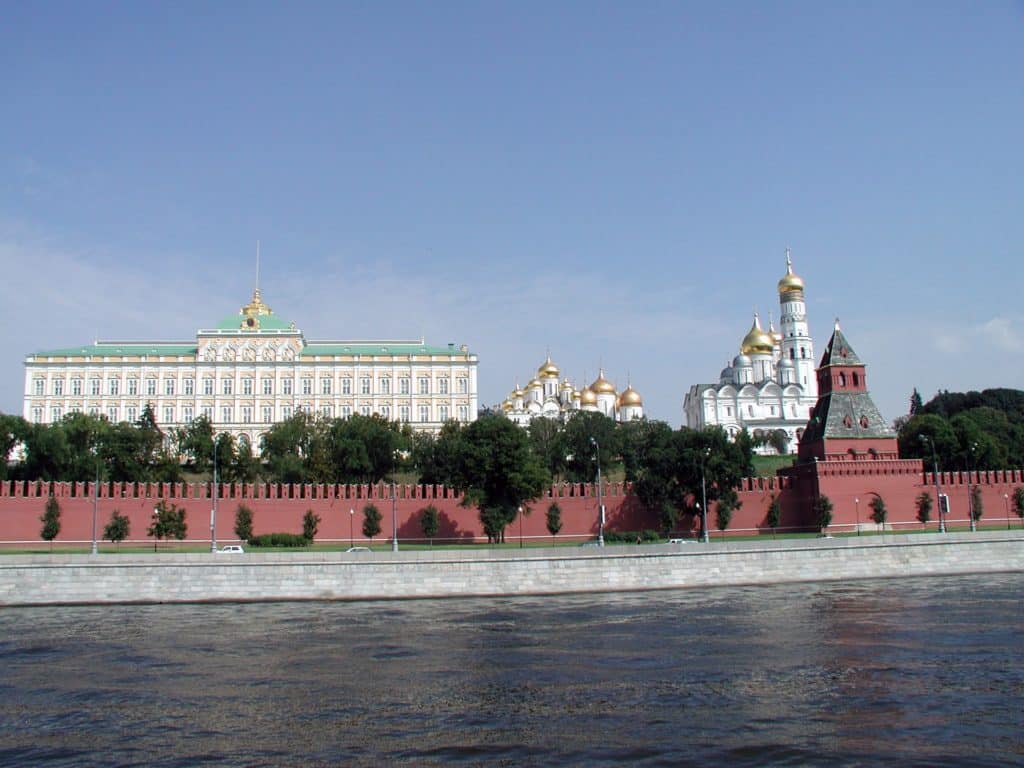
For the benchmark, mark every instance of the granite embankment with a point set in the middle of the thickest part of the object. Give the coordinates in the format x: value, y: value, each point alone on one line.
x: 167, y: 578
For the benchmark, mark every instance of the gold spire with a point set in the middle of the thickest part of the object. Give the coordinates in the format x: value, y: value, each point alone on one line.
x: 790, y: 282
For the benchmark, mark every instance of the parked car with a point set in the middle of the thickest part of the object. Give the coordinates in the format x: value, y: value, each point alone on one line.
x: 358, y: 549
x: 680, y: 541
x: 231, y: 549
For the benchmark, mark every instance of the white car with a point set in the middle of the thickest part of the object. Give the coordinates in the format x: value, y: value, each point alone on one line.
x: 231, y: 549
x: 358, y: 549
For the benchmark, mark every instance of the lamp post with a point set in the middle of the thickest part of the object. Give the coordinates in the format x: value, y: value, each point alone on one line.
x: 520, y: 511
x: 394, y: 519
x: 600, y: 502
x: 704, y: 497
x: 970, y: 498
x: 935, y: 476
x: 351, y: 535
x: 95, y: 499
x: 1006, y: 503
x: 856, y: 502
x: 213, y: 509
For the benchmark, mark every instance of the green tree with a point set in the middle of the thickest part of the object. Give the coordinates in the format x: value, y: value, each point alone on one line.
x: 117, y: 529
x: 1018, y: 503
x: 310, y: 524
x: 547, y: 439
x: 728, y: 502
x: 430, y: 521
x: 654, y: 475
x: 554, y: 519
x: 774, y: 516
x: 915, y: 402
x: 977, y: 505
x: 168, y: 522
x: 779, y: 440
x: 371, y: 521
x: 286, y: 445
x: 243, y: 522
x: 246, y: 467
x: 582, y: 430
x: 879, y: 513
x: 440, y: 459
x: 195, y: 443
x: 13, y: 430
x: 823, y: 512
x: 50, y: 521
x: 924, y: 506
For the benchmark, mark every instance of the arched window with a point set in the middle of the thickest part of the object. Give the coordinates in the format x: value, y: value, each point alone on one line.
x: 842, y: 379
x: 856, y: 379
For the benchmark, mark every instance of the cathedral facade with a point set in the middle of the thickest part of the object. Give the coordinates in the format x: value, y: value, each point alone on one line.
x: 770, y: 387
x: 545, y: 396
x: 250, y: 371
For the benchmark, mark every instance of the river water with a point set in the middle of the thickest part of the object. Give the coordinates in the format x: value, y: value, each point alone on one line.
x: 912, y: 672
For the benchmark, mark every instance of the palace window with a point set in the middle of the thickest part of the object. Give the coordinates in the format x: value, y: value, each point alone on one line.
x: 168, y: 414
x: 442, y: 386
x: 37, y: 414
x: 403, y: 413
x: 463, y: 385
x: 403, y: 386
x: 385, y: 386
x: 364, y: 410
x: 94, y: 411
x: 150, y: 386
x: 326, y: 411
x: 268, y: 414
x: 346, y: 386
x: 207, y: 386
x: 424, y: 387
x: 463, y: 413
x: 207, y: 412
x: 94, y: 386
x: 424, y: 413
x: 58, y: 387
x: 307, y: 386
x: 286, y: 386
x: 132, y: 413
x: 112, y: 414
x: 55, y: 414
x: 190, y: 386
x: 225, y: 414
x: 442, y: 413
x: 286, y: 412
x: 76, y: 386
x: 246, y: 414
x: 346, y: 411
x: 38, y: 387
x: 113, y: 387
x: 268, y: 386
x: 385, y: 412
x: 226, y: 386
x: 168, y: 386
x: 364, y: 386
x: 247, y: 386
x: 325, y: 386
x: 189, y: 413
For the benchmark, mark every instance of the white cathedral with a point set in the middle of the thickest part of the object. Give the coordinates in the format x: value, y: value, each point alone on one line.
x: 770, y: 385
x: 546, y: 397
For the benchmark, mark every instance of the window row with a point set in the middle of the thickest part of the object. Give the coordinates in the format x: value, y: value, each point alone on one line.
x: 248, y: 384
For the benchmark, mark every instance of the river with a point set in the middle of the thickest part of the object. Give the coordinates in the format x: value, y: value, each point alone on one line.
x: 912, y: 672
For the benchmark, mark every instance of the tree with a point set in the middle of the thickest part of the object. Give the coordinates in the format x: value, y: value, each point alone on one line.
x: 727, y: 504
x: 13, y: 430
x: 774, y: 516
x: 915, y: 402
x: 371, y: 521
x: 310, y: 524
x: 823, y: 512
x: 554, y: 519
x: 1018, y: 503
x: 195, y: 443
x: 547, y: 438
x: 977, y: 505
x: 117, y: 529
x: 430, y: 521
x: 50, y: 521
x: 168, y: 522
x: 779, y: 440
x: 879, y: 513
x: 243, y: 522
x: 582, y: 458
x: 924, y: 507
x: 653, y: 471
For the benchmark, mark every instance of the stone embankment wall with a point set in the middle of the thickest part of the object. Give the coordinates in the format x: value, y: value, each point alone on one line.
x: 72, y: 579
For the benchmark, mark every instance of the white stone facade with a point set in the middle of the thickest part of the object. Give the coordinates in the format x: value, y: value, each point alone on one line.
x: 771, y: 385
x: 252, y: 371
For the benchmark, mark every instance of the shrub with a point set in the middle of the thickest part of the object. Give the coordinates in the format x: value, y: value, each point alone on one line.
x: 554, y: 518
x: 371, y: 521
x: 243, y: 523
x: 823, y: 512
x: 50, y: 521
x: 430, y: 522
x: 279, y: 540
x: 924, y: 507
x: 310, y: 523
x: 117, y: 529
x: 879, y: 513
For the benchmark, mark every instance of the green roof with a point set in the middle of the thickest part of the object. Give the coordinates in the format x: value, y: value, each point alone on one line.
x: 107, y: 349
x: 267, y: 323
x: 378, y: 348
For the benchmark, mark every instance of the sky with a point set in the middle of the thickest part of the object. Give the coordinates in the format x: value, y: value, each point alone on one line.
x: 613, y: 183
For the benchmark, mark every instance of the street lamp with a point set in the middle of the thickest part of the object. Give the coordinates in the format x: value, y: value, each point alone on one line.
x: 970, y: 498
x: 520, y: 510
x: 95, y: 498
x: 1006, y: 503
x: 600, y: 503
x: 935, y: 476
x: 856, y: 502
x: 703, y: 506
x: 394, y: 519
x: 351, y: 535
x: 213, y: 510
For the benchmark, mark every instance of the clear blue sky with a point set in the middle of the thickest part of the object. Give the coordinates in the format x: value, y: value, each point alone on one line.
x: 615, y: 182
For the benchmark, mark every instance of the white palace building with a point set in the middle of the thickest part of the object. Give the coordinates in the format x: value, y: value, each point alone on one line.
x: 250, y: 371
x: 771, y: 384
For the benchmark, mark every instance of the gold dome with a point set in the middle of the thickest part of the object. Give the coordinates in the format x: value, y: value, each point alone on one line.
x: 517, y: 393
x: 548, y: 370
x: 576, y: 394
x: 566, y: 385
x: 757, y: 342
x: 630, y: 396
x: 602, y: 386
x: 588, y: 396
x: 534, y: 384
x: 790, y: 282
x: 506, y: 406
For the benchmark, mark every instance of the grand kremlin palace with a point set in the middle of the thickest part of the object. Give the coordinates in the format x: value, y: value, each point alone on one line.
x: 249, y: 372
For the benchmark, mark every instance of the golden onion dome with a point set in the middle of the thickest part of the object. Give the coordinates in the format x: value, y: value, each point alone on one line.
x: 566, y: 385
x: 576, y: 395
x: 534, y: 384
x: 506, y: 406
x: 602, y: 386
x: 517, y: 393
x: 548, y: 370
x: 588, y: 396
x: 757, y: 342
x: 630, y: 396
x: 790, y: 282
